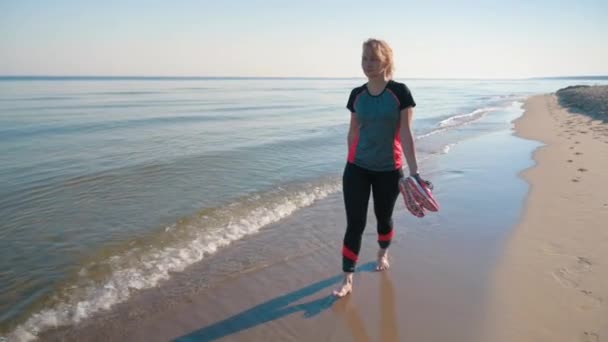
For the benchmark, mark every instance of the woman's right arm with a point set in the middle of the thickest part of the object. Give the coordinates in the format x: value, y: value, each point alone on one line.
x: 353, y: 130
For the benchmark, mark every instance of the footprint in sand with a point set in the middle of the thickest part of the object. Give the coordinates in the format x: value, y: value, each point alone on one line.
x: 569, y: 276
x: 584, y: 262
x: 572, y: 147
x: 576, y: 142
x: 596, y: 299
x: 589, y: 336
x: 569, y: 160
x: 578, y: 153
x: 565, y: 278
x: 582, y: 169
x: 575, y: 180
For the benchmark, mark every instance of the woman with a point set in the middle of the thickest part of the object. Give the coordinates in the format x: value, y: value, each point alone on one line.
x: 380, y: 134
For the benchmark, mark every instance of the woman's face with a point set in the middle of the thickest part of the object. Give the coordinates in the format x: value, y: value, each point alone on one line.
x: 371, y: 64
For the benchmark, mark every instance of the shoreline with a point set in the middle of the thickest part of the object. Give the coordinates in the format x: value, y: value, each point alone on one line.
x: 551, y: 283
x: 433, y: 291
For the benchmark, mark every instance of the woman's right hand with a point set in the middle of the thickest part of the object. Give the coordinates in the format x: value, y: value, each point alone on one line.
x: 421, y: 181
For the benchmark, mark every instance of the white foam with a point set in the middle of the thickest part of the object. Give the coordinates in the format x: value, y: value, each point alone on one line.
x: 435, y: 131
x: 517, y: 103
x: 446, y: 149
x: 461, y: 119
x: 156, y: 265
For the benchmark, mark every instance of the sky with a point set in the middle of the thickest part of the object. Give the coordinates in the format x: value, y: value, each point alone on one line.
x: 313, y: 38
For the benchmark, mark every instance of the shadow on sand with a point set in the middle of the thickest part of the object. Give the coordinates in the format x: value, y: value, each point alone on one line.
x: 273, y: 309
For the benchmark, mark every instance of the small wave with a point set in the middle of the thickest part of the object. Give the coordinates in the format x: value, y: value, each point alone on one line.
x: 147, y: 104
x: 517, y: 103
x: 446, y: 149
x: 458, y: 120
x: 143, y: 265
x: 127, y: 93
x: 40, y: 98
x: 196, y: 88
x: 90, y: 127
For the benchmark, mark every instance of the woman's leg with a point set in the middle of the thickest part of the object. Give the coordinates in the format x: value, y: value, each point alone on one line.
x: 356, y: 189
x: 385, y: 188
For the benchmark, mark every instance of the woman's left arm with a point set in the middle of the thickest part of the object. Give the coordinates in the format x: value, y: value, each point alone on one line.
x: 407, y: 139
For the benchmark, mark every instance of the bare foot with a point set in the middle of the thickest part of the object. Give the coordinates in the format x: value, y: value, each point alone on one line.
x: 346, y: 287
x: 382, y: 260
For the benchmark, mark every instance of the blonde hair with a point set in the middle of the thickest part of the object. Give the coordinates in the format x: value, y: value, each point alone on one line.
x: 384, y: 52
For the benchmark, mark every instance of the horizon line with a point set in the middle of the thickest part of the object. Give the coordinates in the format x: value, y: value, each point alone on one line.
x: 133, y: 77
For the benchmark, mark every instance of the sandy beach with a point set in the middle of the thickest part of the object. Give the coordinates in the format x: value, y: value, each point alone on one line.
x: 552, y: 282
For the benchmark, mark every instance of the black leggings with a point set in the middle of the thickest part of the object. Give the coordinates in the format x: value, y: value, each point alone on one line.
x: 357, y: 183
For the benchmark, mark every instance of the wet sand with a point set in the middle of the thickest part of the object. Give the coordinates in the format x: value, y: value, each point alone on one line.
x: 290, y: 299
x: 552, y: 282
